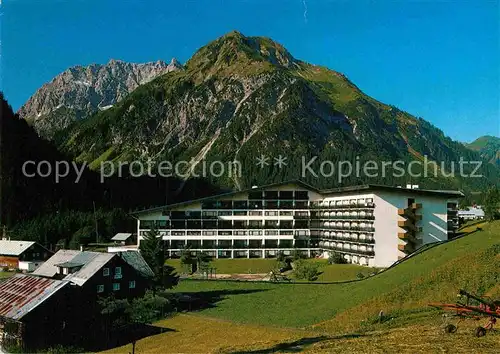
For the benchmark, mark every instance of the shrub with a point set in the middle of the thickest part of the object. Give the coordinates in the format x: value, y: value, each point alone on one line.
x: 336, y: 258
x: 306, y: 270
x: 296, y: 255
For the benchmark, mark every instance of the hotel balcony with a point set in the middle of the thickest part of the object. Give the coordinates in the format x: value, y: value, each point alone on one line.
x: 407, y: 236
x: 342, y: 205
x: 406, y: 248
x: 407, y: 224
x: 409, y: 213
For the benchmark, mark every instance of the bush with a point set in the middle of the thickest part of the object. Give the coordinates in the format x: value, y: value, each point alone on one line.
x: 60, y: 349
x: 336, y: 258
x: 306, y: 270
x: 296, y: 255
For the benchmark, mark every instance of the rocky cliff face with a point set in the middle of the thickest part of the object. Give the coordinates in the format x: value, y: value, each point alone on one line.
x: 83, y: 90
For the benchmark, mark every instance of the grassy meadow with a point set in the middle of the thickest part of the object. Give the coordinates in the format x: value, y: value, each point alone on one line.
x: 344, y: 317
x: 328, y: 272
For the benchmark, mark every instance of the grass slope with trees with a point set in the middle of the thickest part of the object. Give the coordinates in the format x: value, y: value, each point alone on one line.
x: 339, y: 317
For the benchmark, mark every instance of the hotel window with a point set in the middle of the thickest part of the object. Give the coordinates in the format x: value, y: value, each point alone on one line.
x: 240, y: 204
x: 255, y: 195
x: 146, y: 224
x: 271, y: 195
x: 286, y: 195
x: 105, y: 272
x: 116, y: 286
x: 239, y: 224
x: 131, y: 284
x: 301, y: 195
x: 255, y: 204
x: 100, y: 288
x: 118, y: 272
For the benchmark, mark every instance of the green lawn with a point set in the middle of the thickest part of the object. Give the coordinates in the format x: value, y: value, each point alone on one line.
x: 471, y: 262
x: 329, y: 273
x: 340, y: 272
x: 6, y: 274
x: 235, y: 266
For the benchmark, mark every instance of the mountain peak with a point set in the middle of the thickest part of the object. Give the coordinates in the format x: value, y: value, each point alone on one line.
x: 237, y: 50
x: 115, y: 61
x: 175, y: 65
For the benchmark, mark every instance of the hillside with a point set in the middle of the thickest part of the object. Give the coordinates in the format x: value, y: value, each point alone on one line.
x: 240, y: 97
x: 340, y: 317
x: 81, y: 91
x: 39, y: 208
x: 489, y: 148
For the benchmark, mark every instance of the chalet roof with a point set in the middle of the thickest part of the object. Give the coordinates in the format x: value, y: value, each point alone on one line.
x: 21, y: 293
x: 121, y: 236
x: 135, y: 259
x: 94, y: 263
x: 14, y: 248
x: 91, y: 263
x: 69, y: 265
x: 49, y: 268
x: 342, y: 190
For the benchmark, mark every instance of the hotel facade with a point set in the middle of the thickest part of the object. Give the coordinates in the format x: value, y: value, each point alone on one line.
x: 370, y: 225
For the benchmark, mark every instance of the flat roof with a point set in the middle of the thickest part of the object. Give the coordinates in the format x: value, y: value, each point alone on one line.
x: 358, y: 188
x: 121, y: 236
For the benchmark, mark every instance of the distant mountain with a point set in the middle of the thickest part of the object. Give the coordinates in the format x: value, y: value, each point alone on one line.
x: 83, y: 90
x: 242, y: 97
x: 489, y: 148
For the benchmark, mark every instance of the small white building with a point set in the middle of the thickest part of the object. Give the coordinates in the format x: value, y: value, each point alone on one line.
x: 472, y: 213
x: 370, y: 225
x: 123, y: 242
x: 22, y: 255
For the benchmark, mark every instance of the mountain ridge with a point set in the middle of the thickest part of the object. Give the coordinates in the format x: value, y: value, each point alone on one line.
x: 80, y: 91
x: 488, y: 147
x: 241, y: 97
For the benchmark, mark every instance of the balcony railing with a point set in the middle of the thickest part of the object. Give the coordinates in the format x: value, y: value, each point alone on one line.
x: 349, y: 251
x: 369, y: 205
x: 347, y: 239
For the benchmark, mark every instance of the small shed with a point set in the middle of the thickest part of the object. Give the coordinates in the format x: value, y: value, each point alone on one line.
x: 123, y: 238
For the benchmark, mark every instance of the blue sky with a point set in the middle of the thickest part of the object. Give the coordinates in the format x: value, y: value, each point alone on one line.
x: 435, y: 59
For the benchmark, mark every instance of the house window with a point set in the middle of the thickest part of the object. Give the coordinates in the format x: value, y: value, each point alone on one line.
x: 100, y: 288
x: 118, y: 272
x: 116, y: 286
x: 131, y: 284
x: 105, y: 272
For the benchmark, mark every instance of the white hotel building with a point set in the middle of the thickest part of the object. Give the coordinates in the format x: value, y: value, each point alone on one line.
x: 370, y: 225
